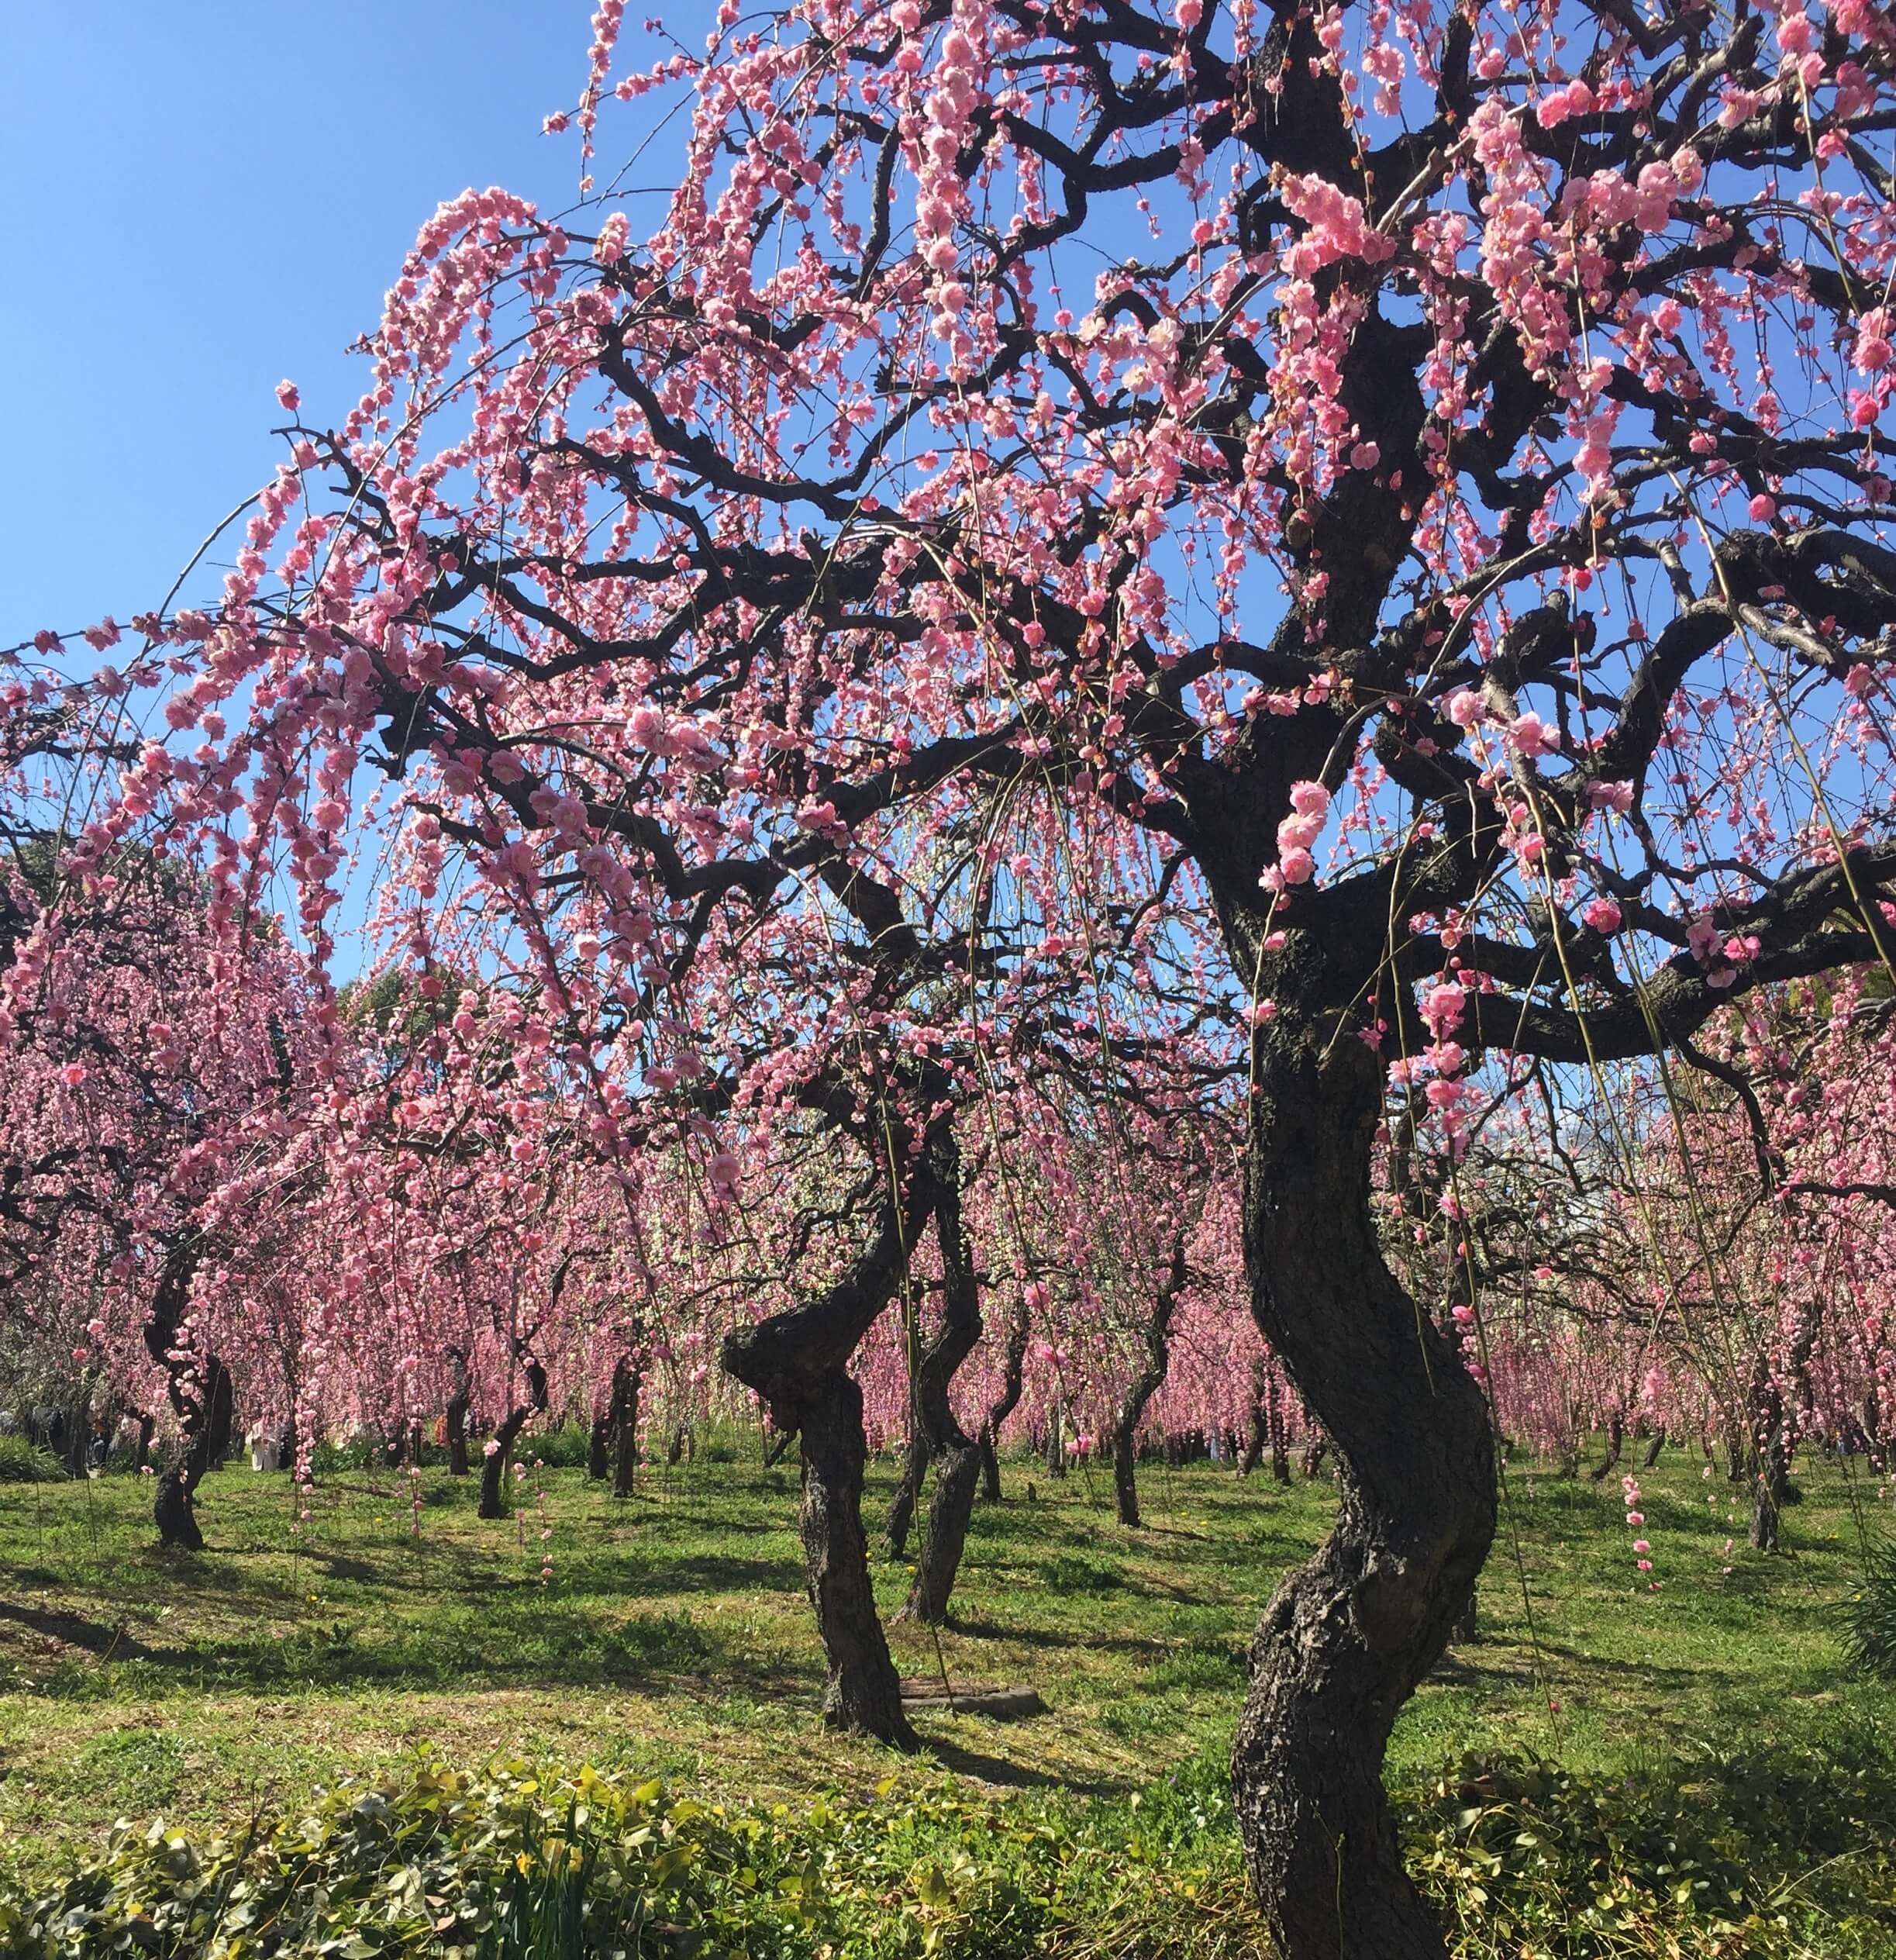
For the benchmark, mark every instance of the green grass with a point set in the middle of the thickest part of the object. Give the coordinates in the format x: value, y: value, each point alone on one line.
x: 674, y: 1639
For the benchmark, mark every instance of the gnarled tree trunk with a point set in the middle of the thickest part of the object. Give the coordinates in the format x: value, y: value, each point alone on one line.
x: 797, y: 1362
x: 863, y: 1694
x: 1144, y: 1384
x: 607, y: 1449
x: 956, y: 1457
x: 1347, y: 1637
x: 193, y: 1399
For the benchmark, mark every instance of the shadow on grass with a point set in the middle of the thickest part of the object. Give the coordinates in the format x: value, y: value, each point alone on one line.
x: 654, y: 1654
x: 1003, y: 1770
x: 74, y: 1630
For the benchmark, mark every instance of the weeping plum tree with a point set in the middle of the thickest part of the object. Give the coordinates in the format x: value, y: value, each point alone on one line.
x: 1413, y: 481
x: 129, y: 1090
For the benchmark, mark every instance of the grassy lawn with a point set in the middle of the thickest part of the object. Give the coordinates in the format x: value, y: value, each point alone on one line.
x: 674, y: 1638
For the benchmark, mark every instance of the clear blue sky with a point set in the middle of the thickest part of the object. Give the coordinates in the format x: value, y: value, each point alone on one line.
x: 202, y: 197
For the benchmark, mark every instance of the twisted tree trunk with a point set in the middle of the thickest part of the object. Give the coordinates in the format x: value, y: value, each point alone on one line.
x: 1144, y: 1384
x: 956, y: 1457
x: 174, y: 1507
x: 609, y: 1448
x: 1347, y: 1638
x: 797, y: 1362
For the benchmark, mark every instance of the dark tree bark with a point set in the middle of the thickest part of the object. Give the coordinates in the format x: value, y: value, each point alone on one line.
x: 1347, y: 1638
x: 78, y: 1440
x: 1653, y: 1448
x: 459, y: 1394
x: 1616, y: 1443
x: 956, y: 1457
x: 900, y: 1519
x: 797, y: 1362
x: 863, y: 1695
x: 1280, y: 1433
x: 493, y: 1469
x: 607, y: 1448
x: 220, y: 1414
x: 1737, y: 1448
x: 628, y: 1380
x: 173, y: 1503
x: 1257, y: 1432
x: 1771, y: 1475
x: 1144, y: 1384
x: 1774, y: 1431
x: 1056, y: 1447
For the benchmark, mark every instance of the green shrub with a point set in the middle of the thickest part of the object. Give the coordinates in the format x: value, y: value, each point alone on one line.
x: 1781, y: 1855
x: 1778, y: 1851
x: 504, y: 1868
x: 1869, y: 1615
x: 564, y: 1448
x: 328, y: 1459
x: 22, y: 1462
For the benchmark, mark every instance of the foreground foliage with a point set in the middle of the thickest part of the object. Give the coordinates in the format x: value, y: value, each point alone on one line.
x: 1777, y: 1852
x: 1870, y: 1614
